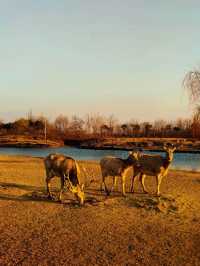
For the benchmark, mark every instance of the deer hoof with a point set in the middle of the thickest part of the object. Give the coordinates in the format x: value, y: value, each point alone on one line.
x: 107, y: 193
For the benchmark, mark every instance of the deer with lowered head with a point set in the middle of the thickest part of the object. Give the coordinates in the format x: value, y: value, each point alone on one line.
x: 67, y: 169
x: 153, y: 165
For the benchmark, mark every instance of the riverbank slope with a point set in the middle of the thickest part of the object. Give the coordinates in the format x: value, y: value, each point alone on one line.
x: 150, y: 144
x: 108, y: 143
x: 21, y: 141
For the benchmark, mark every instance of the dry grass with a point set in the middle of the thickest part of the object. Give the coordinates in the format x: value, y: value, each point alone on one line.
x: 136, y: 230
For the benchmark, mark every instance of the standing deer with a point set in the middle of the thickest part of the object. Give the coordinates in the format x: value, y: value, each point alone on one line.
x: 116, y: 167
x: 153, y: 165
x: 67, y: 169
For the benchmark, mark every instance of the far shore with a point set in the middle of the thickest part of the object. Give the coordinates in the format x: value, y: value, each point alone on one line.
x: 141, y: 149
x: 108, y: 143
x: 43, y: 146
x: 21, y: 141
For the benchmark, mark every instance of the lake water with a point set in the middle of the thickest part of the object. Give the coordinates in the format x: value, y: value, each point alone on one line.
x: 184, y: 161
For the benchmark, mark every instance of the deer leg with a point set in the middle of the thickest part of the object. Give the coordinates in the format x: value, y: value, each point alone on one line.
x: 132, y: 182
x: 142, y: 178
x: 104, y: 183
x: 102, y: 186
x: 123, y: 185
x: 159, y: 180
x: 114, y: 183
x: 62, y: 184
x: 48, y: 187
x: 49, y: 175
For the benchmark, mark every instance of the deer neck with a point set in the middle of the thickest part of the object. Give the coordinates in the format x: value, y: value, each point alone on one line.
x: 128, y: 162
x: 168, y: 159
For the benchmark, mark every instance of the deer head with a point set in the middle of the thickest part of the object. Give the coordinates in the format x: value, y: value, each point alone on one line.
x: 170, y: 151
x: 78, y: 192
x: 134, y: 155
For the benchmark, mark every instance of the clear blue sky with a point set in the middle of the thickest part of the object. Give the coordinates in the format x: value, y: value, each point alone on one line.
x: 126, y: 58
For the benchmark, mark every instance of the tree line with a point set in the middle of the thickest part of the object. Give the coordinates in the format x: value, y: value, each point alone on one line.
x: 96, y: 125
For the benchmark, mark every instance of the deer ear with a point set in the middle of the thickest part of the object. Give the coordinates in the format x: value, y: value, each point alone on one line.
x: 82, y: 187
x: 174, y: 149
x: 130, y: 152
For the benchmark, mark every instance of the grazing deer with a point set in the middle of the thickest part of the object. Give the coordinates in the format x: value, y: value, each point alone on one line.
x: 153, y: 165
x: 67, y: 169
x: 116, y: 167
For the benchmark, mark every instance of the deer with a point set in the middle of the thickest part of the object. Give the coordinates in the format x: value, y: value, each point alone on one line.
x: 67, y: 169
x: 153, y: 165
x: 116, y: 167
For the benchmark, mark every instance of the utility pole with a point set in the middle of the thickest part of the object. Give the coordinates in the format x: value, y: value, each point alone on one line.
x: 45, y: 130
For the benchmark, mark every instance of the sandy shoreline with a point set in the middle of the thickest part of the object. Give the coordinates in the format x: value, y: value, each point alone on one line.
x: 136, y: 230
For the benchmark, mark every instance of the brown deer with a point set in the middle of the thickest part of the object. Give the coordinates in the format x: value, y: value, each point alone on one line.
x: 153, y: 165
x: 116, y: 167
x: 67, y: 169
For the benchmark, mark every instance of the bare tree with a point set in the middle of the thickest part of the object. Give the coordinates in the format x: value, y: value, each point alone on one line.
x: 136, y: 130
x: 61, y: 123
x: 30, y: 116
x: 96, y: 122
x: 159, y: 127
x: 76, y: 124
x: 88, y: 124
x: 187, y: 124
x: 21, y: 125
x: 147, y: 128
x: 105, y: 130
x: 112, y: 122
x: 191, y: 82
x: 134, y: 127
x: 196, y: 123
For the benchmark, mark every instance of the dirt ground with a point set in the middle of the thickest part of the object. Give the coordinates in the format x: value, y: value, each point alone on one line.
x: 137, y: 230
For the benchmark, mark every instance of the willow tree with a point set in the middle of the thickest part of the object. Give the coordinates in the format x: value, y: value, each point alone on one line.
x: 191, y: 83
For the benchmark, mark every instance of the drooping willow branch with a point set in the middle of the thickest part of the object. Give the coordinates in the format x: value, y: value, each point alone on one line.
x: 191, y: 83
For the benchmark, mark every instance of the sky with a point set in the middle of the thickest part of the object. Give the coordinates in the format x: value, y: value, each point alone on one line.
x: 127, y: 58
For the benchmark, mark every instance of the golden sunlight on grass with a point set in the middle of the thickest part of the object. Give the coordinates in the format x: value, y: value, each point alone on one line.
x: 141, y: 229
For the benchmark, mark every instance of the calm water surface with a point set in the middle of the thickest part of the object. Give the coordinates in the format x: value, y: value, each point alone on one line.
x: 184, y: 161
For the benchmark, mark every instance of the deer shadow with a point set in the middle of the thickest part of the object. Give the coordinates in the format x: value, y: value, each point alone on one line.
x: 36, y: 193
x: 26, y: 197
x: 72, y: 203
x: 21, y: 186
